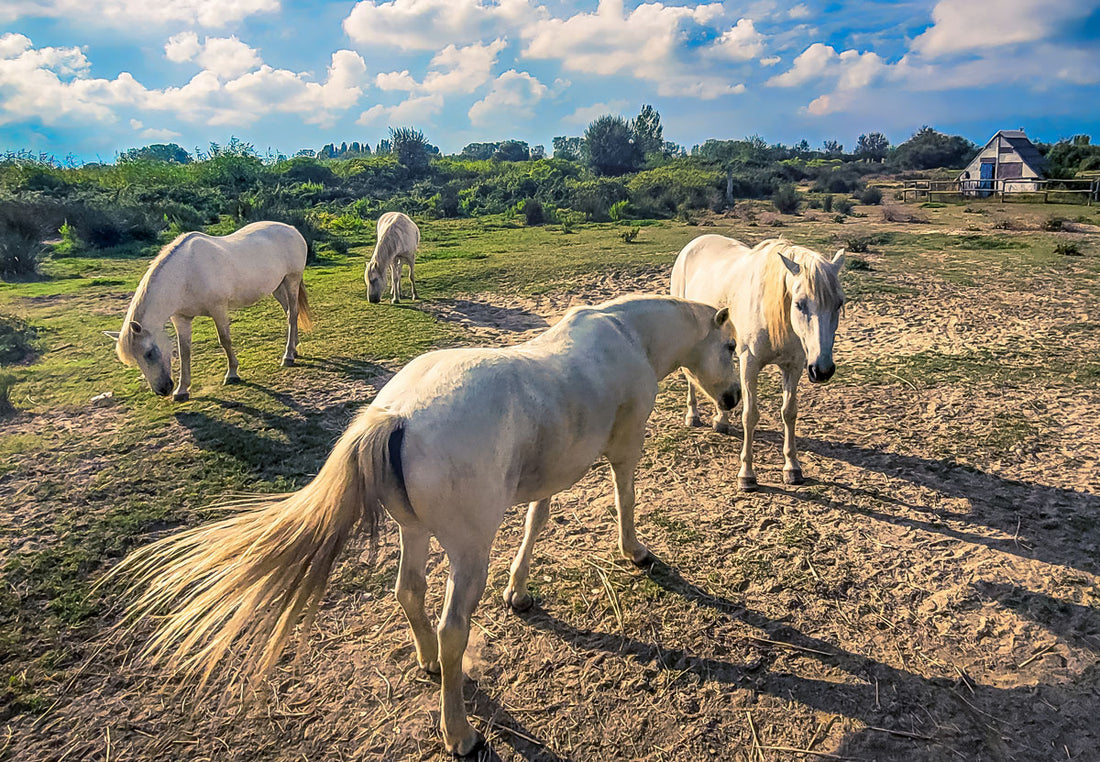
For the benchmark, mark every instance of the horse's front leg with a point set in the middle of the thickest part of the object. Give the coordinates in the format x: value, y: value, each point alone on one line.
x: 792, y: 469
x: 516, y: 594
x: 411, y: 588
x: 622, y: 473
x: 750, y: 416
x: 691, y: 418
x: 183, y: 342
x: 466, y: 583
x: 221, y: 322
x: 395, y: 280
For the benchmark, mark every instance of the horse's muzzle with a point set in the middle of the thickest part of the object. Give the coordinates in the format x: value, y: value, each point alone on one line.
x: 163, y: 391
x: 820, y: 376
x: 730, y: 399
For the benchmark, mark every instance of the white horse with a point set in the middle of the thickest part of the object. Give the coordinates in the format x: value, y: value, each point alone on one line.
x: 450, y: 443
x: 784, y: 302
x: 398, y: 238
x: 198, y: 274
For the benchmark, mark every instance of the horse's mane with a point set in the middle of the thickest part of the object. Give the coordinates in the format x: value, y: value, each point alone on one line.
x: 142, y: 292
x: 821, y: 282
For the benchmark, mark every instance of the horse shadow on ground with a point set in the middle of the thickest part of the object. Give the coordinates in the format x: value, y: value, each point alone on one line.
x: 350, y: 367
x: 1040, y: 522
x: 502, y: 723
x: 933, y: 717
x: 488, y: 315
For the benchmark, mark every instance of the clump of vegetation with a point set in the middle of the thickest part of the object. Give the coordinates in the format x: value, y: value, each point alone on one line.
x: 786, y: 199
x: 1053, y: 224
x: 1067, y: 249
x: 7, y: 407
x: 855, y: 263
x: 628, y: 236
x: 18, y: 341
x: 870, y: 196
x: 858, y: 244
x: 897, y: 214
x: 533, y: 213
x: 967, y: 210
x: 827, y: 202
x: 843, y: 206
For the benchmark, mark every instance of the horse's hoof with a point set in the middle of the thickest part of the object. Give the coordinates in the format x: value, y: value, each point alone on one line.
x: 641, y: 556
x: 517, y: 601
x: 230, y: 380
x: 794, y: 476
x: 747, y: 483
x: 721, y: 428
x: 431, y: 667
x: 288, y: 362
x: 692, y: 421
x: 467, y: 745
x: 181, y: 396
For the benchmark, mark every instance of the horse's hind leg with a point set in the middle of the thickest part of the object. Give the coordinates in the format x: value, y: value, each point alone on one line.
x: 183, y: 341
x: 466, y: 583
x: 411, y: 587
x: 221, y: 322
x: 622, y: 473
x: 412, y: 278
x: 287, y: 296
x: 516, y: 595
x: 792, y: 469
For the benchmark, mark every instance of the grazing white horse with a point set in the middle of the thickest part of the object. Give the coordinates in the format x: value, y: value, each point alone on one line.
x: 450, y: 443
x: 398, y: 239
x: 199, y: 274
x: 784, y: 302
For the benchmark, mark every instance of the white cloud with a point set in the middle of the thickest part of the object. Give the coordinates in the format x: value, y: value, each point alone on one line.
x: 424, y: 24
x: 586, y: 114
x: 462, y: 70
x: 740, y: 43
x: 51, y: 85
x: 396, y: 80
x: 133, y: 14
x: 962, y: 26
x: 800, y: 11
x: 151, y: 133
x: 770, y: 61
x: 646, y: 42
x: 513, y: 96
x: 414, y: 110
x: 810, y: 64
x: 227, y: 57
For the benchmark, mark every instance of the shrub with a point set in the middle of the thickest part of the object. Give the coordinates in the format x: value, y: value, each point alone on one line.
x: 785, y: 199
x: 7, y: 381
x: 855, y: 263
x: 533, y: 213
x: 1053, y: 224
x: 870, y: 196
x: 620, y: 211
x: 838, y: 218
x: 827, y: 202
x: 17, y: 341
x: 896, y: 214
x: 858, y: 244
x: 1067, y: 249
x: 628, y: 236
x: 843, y: 205
x: 813, y: 203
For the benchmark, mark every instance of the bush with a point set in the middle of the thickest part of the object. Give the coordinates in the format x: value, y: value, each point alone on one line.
x: 1053, y: 224
x: 533, y: 213
x: 786, y: 199
x: 827, y: 202
x: 1067, y: 249
x: 843, y: 206
x: 855, y: 263
x: 18, y: 341
x: 628, y: 236
x: 7, y: 381
x: 870, y: 196
x: 858, y: 244
x: 620, y: 211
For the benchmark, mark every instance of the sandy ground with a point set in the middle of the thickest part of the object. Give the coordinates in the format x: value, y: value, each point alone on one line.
x: 929, y: 594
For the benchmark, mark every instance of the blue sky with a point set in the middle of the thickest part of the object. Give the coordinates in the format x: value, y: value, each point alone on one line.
x: 92, y: 79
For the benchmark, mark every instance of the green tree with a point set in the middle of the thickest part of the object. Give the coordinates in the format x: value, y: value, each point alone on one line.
x: 832, y: 147
x: 169, y: 152
x: 512, y: 150
x: 928, y: 149
x: 411, y: 148
x: 570, y: 149
x: 611, y: 146
x: 479, y: 151
x: 648, y: 133
x: 873, y: 146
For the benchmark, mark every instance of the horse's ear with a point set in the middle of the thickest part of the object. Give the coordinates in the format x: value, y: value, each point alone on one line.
x: 721, y: 316
x: 838, y: 260
x: 135, y: 326
x: 112, y: 335
x: 791, y: 265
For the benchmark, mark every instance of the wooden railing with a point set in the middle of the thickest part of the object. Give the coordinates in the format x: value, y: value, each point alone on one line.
x: 1086, y: 190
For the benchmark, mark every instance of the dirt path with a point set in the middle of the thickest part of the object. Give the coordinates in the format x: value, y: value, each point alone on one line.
x: 932, y: 593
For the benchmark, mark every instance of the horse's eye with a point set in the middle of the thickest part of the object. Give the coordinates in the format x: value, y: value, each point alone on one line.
x: 803, y: 305
x: 151, y: 354
x: 731, y: 346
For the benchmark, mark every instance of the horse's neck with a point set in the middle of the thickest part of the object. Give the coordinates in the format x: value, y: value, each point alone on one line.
x: 157, y: 300
x: 666, y: 341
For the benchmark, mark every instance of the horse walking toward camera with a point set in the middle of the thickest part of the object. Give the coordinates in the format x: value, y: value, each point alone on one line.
x: 199, y: 274
x: 398, y: 239
x: 784, y: 302
x: 449, y: 444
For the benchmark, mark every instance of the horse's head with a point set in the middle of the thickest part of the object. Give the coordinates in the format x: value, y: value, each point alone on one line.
x: 712, y: 362
x: 816, y: 299
x: 374, y: 281
x: 149, y: 350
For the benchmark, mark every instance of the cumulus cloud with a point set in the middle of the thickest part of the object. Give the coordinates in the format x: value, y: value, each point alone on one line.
x: 800, y: 11
x: 422, y: 24
x: 129, y: 15
x: 586, y: 114
x: 962, y: 26
x: 414, y: 110
x: 770, y: 61
x: 647, y: 42
x: 227, y: 57
x: 514, y: 95
x: 51, y: 85
x: 152, y: 133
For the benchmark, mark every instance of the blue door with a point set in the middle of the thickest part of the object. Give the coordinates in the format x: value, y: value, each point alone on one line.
x: 985, y: 186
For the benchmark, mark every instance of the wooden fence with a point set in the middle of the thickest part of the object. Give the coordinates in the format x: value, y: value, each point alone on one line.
x: 1086, y: 190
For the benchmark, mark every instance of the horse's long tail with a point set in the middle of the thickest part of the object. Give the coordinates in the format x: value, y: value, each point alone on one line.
x: 305, y: 317
x: 247, y: 581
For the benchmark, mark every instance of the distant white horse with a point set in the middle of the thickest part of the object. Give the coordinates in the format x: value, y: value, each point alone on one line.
x: 450, y: 443
x: 198, y: 274
x: 398, y: 238
x: 784, y: 301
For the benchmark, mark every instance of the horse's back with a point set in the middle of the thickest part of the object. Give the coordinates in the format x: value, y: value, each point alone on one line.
x: 398, y: 235
x: 705, y: 267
